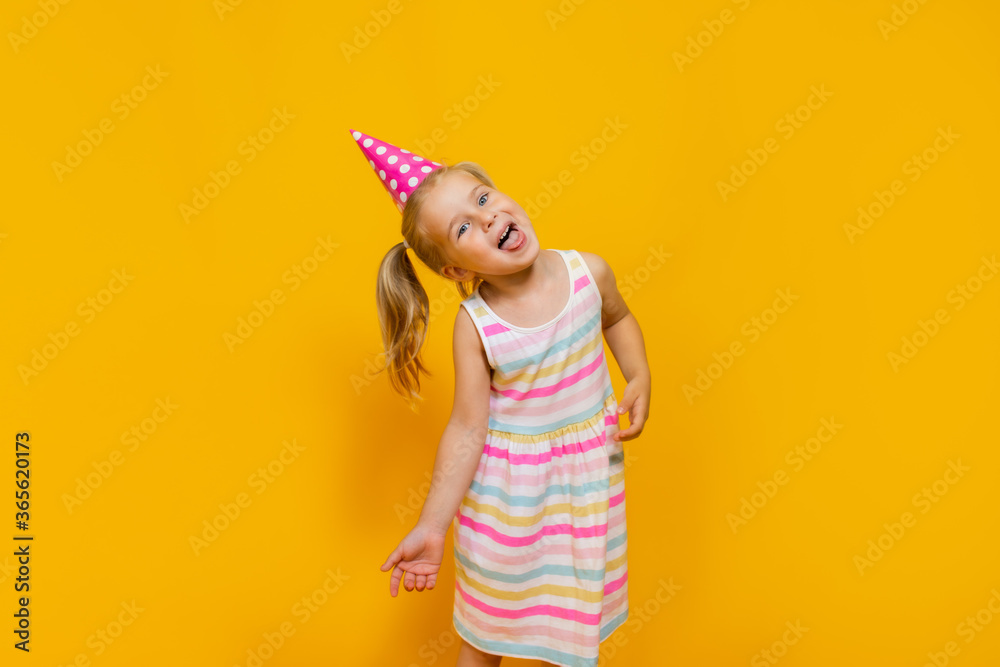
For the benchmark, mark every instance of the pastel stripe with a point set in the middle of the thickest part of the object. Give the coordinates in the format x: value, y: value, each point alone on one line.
x: 551, y: 389
x: 521, y: 356
x: 513, y: 427
x: 515, y: 541
x: 534, y: 610
x: 536, y: 651
x: 591, y: 392
x: 484, y: 552
x: 543, y: 457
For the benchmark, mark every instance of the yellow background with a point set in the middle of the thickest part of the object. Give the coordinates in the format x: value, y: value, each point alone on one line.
x: 305, y: 374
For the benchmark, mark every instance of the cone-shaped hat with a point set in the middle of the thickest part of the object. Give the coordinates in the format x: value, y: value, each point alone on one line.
x: 399, y: 170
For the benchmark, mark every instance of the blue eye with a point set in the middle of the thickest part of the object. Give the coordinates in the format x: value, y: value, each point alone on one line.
x: 467, y: 224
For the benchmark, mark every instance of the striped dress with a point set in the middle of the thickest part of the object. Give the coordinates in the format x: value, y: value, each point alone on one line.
x: 540, y: 540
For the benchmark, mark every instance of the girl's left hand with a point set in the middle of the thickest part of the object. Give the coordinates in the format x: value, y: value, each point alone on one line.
x: 636, y: 401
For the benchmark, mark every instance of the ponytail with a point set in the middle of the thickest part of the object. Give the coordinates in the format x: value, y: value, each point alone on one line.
x: 403, y: 313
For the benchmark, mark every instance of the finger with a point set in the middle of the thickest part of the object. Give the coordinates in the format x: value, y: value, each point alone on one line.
x: 394, y: 582
x: 431, y: 580
x: 636, y: 417
x: 627, y: 434
x: 634, y: 429
x: 421, y: 582
x: 408, y: 579
x: 391, y: 560
x: 625, y: 405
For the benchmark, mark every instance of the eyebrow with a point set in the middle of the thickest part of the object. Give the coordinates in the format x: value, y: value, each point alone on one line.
x: 455, y: 219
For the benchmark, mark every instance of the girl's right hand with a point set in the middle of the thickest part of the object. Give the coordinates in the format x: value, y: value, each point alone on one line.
x: 419, y: 554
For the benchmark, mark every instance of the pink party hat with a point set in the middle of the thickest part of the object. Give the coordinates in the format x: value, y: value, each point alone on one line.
x: 399, y: 170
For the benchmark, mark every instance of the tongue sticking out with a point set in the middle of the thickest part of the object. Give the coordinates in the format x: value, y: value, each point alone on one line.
x: 513, y: 238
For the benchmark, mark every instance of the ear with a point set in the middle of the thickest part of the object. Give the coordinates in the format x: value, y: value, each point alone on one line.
x: 456, y: 273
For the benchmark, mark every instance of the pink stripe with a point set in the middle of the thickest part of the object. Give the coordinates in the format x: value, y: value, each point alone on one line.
x: 544, y: 457
x: 554, y: 529
x: 494, y: 329
x: 529, y: 632
x: 616, y: 584
x: 616, y: 499
x: 528, y: 340
x: 584, y: 393
x: 484, y: 553
x: 534, y: 610
x: 567, y: 381
x: 615, y: 603
x: 559, y: 473
x: 581, y: 282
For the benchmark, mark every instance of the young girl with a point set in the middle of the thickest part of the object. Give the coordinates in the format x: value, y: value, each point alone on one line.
x: 530, y: 468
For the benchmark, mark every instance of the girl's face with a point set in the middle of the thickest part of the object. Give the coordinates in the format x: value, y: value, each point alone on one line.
x: 468, y: 220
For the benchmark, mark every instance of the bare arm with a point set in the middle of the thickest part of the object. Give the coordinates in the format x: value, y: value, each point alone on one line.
x: 624, y: 337
x: 625, y: 340
x: 461, y: 445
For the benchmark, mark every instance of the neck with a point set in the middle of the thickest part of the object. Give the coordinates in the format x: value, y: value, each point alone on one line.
x: 514, y: 286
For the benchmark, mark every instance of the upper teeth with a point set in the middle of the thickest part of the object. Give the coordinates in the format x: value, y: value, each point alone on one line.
x: 503, y: 236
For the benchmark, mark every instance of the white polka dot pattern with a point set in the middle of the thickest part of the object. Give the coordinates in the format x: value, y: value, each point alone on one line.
x: 390, y: 164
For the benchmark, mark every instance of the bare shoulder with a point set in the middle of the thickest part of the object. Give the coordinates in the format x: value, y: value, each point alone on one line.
x: 613, y: 306
x: 599, y: 268
x: 472, y: 373
x: 465, y: 329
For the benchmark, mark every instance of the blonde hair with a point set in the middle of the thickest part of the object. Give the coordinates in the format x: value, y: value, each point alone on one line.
x: 403, y: 307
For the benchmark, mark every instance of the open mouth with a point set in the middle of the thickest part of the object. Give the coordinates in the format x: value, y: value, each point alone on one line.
x: 511, y: 238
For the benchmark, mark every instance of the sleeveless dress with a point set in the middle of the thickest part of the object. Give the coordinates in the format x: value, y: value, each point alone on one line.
x: 540, y: 540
